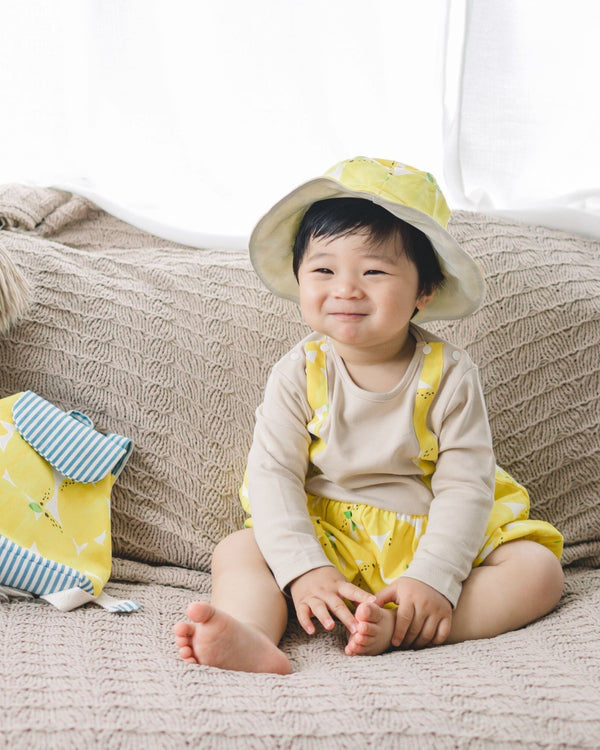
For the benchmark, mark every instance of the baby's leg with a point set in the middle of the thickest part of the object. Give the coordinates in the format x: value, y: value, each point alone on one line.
x: 518, y: 582
x: 247, y: 616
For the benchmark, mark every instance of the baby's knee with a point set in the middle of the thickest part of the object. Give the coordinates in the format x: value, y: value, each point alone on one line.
x: 545, y: 574
x: 240, y: 545
x: 553, y: 576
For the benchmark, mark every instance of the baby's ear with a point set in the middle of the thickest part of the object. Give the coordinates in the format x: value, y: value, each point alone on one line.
x: 424, y: 299
x: 14, y: 292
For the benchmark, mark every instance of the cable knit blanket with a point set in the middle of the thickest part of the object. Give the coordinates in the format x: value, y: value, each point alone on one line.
x: 171, y: 346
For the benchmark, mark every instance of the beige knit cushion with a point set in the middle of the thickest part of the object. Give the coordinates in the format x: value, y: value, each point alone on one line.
x: 536, y: 340
x: 172, y: 346
x: 168, y: 345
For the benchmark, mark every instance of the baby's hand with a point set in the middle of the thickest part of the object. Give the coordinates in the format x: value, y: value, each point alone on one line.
x: 424, y: 616
x: 320, y: 593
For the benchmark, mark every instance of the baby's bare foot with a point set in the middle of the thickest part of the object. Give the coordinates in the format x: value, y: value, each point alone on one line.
x: 216, y: 639
x: 374, y: 630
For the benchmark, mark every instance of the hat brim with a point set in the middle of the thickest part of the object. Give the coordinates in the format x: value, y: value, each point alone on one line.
x: 272, y: 241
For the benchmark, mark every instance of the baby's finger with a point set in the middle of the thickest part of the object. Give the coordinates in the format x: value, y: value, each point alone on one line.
x: 354, y: 594
x: 321, y: 611
x: 303, y: 613
x: 427, y: 634
x: 443, y: 631
x: 344, y: 615
x: 386, y: 595
x: 404, y: 619
x: 413, y: 632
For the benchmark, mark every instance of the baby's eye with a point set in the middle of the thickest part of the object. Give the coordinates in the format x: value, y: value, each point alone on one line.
x: 373, y: 271
x: 323, y: 270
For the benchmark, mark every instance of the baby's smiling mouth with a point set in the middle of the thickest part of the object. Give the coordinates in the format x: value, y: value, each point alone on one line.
x: 348, y: 315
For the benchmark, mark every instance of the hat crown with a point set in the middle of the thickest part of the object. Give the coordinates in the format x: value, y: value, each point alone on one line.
x: 395, y: 182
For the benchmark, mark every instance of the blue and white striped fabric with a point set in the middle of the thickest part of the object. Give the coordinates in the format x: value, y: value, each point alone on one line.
x: 68, y: 441
x: 26, y: 571
x: 29, y: 571
x: 117, y: 605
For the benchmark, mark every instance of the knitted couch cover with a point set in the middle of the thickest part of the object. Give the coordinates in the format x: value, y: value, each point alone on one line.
x: 172, y: 346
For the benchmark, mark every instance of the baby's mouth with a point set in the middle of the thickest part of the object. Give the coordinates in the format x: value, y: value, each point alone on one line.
x: 347, y: 314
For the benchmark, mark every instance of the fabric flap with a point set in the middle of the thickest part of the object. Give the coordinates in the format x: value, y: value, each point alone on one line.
x: 68, y: 441
x: 70, y: 599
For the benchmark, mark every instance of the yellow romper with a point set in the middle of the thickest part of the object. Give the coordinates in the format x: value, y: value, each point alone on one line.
x: 372, y: 547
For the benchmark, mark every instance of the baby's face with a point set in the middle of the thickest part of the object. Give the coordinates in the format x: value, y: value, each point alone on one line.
x: 360, y: 294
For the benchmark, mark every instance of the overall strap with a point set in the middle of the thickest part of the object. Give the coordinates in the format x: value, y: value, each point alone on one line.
x: 318, y: 400
x: 316, y: 390
x: 429, y: 382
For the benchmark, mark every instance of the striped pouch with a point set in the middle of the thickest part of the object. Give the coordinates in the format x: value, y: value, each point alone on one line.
x: 56, y: 476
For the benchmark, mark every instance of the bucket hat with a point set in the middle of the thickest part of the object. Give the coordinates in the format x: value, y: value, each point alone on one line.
x: 407, y: 193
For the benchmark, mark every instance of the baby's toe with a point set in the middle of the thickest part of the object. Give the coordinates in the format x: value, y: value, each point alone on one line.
x: 183, y: 630
x: 368, y: 612
x: 186, y: 653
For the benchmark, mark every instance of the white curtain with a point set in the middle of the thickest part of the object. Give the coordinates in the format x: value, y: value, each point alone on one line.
x: 523, y: 111
x: 190, y: 118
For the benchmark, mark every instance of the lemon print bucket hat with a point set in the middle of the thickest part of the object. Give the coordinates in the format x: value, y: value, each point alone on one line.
x: 407, y: 193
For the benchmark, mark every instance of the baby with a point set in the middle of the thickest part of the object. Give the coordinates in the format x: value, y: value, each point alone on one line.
x: 374, y: 495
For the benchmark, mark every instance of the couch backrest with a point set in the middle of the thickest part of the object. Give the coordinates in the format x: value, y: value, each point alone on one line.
x: 172, y: 346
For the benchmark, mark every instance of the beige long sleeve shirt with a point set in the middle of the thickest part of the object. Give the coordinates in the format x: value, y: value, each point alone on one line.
x: 368, y: 456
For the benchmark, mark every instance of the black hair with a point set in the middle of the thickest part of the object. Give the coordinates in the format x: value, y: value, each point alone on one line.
x: 336, y: 217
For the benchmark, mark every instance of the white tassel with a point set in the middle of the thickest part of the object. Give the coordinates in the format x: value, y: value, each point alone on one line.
x: 15, y: 292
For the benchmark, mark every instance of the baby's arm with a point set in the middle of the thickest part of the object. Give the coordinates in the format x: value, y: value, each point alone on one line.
x: 321, y: 593
x: 424, y: 616
x: 462, y: 486
x: 277, y: 466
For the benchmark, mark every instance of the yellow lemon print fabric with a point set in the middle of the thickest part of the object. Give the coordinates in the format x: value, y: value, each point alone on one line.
x: 55, y: 531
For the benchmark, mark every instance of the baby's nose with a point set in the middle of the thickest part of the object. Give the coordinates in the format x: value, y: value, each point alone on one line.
x: 347, y: 287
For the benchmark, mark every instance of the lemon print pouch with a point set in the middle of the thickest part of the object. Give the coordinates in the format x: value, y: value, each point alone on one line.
x: 56, y: 477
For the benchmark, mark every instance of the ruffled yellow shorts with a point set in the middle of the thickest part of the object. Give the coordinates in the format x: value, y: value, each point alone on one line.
x: 372, y: 547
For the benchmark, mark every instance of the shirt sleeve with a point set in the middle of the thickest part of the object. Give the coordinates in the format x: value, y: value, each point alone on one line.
x: 277, y: 467
x: 463, y: 492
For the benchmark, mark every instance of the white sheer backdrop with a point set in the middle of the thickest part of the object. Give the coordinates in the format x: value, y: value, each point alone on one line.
x: 191, y: 117
x: 523, y: 111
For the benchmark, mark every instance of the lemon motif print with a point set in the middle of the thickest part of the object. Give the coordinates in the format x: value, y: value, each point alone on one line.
x: 316, y: 375
x: 46, y: 518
